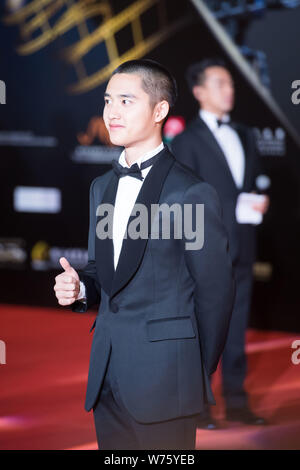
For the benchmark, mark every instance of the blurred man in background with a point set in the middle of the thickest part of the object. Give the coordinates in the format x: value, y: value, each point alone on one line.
x: 224, y: 154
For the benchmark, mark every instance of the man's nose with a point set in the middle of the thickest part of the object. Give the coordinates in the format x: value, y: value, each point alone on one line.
x: 114, y: 111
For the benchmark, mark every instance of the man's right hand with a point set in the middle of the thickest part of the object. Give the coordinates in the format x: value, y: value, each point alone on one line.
x: 67, y: 284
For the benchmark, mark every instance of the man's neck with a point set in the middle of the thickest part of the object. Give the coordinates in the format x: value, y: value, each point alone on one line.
x: 219, y: 114
x: 133, y: 153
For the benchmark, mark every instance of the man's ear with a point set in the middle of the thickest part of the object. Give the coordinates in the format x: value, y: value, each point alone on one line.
x: 161, y: 111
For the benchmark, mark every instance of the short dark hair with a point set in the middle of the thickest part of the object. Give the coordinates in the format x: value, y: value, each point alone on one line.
x: 157, y: 81
x: 195, y: 73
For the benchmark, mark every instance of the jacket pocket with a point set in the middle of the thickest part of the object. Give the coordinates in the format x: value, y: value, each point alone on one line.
x: 159, y: 329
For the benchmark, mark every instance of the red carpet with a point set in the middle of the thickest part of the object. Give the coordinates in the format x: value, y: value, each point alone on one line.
x: 44, y: 379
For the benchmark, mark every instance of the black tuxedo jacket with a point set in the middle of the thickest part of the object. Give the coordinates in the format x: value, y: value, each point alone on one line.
x: 165, y: 311
x: 197, y: 148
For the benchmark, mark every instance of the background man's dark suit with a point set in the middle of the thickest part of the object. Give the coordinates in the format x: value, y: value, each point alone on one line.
x: 197, y: 148
x: 165, y: 311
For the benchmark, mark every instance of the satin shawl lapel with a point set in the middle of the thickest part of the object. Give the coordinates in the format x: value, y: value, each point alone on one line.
x: 104, y: 249
x: 204, y: 131
x: 133, y: 250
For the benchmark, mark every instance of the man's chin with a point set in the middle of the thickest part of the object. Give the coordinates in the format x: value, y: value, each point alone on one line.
x: 117, y: 141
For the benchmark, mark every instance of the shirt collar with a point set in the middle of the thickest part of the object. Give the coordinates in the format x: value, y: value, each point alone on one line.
x: 143, y: 158
x: 211, y: 119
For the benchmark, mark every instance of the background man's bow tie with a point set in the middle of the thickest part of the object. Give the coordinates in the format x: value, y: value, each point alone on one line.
x: 135, y: 171
x: 220, y: 123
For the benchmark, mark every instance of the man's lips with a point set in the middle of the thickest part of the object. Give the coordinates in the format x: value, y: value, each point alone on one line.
x: 115, y: 126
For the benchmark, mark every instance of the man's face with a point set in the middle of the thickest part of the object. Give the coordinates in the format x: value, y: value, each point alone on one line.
x: 127, y: 113
x: 216, y: 94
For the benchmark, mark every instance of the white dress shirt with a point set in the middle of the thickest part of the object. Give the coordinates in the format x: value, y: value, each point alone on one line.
x: 230, y: 143
x: 127, y: 192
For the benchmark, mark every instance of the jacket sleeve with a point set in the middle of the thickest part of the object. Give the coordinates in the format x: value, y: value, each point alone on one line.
x: 88, y: 275
x: 211, y: 269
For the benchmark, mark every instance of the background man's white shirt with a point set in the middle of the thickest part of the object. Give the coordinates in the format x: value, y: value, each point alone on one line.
x: 230, y: 143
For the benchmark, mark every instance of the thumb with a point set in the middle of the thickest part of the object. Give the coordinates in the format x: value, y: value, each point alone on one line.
x: 65, y: 264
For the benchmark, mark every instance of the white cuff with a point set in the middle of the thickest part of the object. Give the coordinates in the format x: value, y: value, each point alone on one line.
x: 82, y: 293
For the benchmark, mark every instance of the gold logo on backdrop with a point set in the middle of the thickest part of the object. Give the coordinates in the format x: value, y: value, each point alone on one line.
x: 40, y: 251
x: 96, y: 129
x: 43, y: 21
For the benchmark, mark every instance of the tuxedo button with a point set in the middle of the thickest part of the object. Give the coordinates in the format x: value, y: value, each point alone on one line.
x: 114, y: 307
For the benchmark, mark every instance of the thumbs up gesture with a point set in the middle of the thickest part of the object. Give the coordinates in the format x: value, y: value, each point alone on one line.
x: 67, y: 284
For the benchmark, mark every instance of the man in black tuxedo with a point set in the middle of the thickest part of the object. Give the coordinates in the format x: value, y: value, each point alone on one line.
x: 223, y: 153
x: 165, y: 302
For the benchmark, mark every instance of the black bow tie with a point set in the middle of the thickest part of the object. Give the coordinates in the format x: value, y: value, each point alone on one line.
x: 135, y: 171
x: 220, y: 123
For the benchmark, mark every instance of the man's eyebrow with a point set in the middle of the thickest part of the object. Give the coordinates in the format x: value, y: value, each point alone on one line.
x: 123, y: 95
x: 128, y: 95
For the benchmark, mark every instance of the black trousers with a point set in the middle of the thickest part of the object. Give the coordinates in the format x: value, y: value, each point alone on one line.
x: 234, y: 360
x: 117, y: 430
